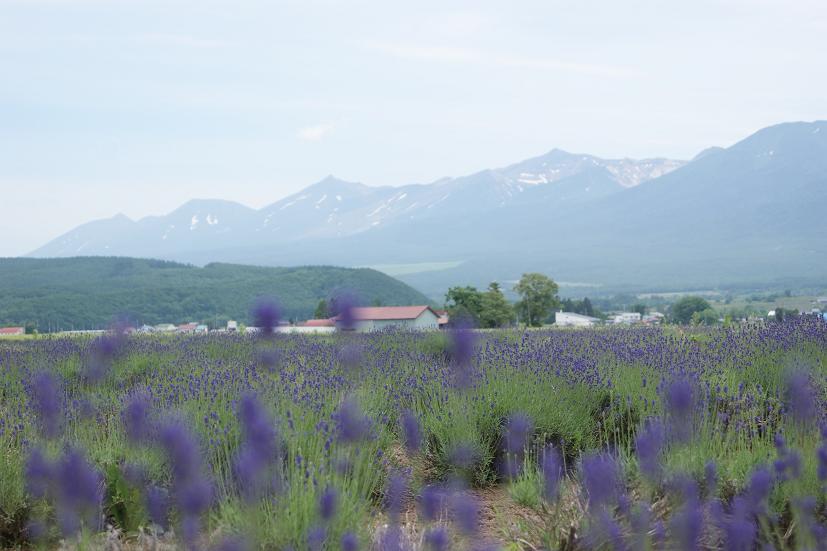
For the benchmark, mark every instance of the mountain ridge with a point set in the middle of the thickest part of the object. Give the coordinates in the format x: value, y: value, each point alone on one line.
x: 752, y: 211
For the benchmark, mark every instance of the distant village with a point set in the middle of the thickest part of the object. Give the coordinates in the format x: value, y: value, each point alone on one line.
x: 377, y: 318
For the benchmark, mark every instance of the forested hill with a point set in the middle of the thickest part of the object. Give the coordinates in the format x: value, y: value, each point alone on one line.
x: 88, y: 292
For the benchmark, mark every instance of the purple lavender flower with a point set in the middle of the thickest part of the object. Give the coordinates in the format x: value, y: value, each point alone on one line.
x: 352, y: 424
x: 182, y: 450
x: 232, y: 543
x: 800, y: 398
x: 328, y: 502
x: 739, y: 528
x: 517, y: 433
x: 343, y: 308
x: 552, y: 468
x: 463, y: 456
x: 266, y: 315
x: 136, y: 418
x: 411, y: 431
x: 315, y: 538
x: 80, y: 492
x: 648, y: 445
x: 710, y: 477
x: 46, y: 396
x: 350, y: 542
x: 463, y: 341
x: 600, y: 479
x: 687, y: 523
x: 395, y: 495
x: 821, y: 454
x: 432, y: 502
x: 437, y: 539
x: 193, y: 492
x: 679, y: 402
x: 40, y: 473
x: 157, y: 505
x: 465, y: 513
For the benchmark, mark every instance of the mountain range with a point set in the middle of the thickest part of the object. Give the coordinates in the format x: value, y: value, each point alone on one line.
x: 749, y: 214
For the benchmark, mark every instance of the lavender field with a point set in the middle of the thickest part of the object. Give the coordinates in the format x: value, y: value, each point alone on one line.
x: 636, y: 438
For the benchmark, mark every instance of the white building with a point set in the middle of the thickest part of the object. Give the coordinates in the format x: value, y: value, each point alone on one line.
x: 419, y: 318
x: 570, y: 319
x: 627, y: 317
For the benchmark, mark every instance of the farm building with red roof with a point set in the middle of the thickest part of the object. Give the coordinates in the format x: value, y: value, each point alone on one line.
x: 12, y: 331
x: 376, y: 318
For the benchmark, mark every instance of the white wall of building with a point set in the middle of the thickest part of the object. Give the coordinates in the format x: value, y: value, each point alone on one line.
x: 569, y: 319
x: 426, y: 321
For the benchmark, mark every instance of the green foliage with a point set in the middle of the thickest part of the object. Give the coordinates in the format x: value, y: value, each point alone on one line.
x: 683, y: 309
x: 321, y: 311
x: 538, y: 297
x: 527, y: 488
x: 487, y: 309
x: 705, y: 317
x: 86, y: 293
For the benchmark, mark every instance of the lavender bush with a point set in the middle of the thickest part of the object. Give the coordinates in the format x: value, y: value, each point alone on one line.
x: 621, y: 438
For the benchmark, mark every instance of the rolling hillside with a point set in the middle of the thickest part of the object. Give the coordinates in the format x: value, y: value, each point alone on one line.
x: 88, y: 292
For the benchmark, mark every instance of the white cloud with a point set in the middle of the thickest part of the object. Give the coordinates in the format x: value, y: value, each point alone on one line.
x: 316, y: 132
x: 454, y: 54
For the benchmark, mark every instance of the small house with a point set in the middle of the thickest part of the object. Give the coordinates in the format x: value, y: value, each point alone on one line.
x: 12, y: 331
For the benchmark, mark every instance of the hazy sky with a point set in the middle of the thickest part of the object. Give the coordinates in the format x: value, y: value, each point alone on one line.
x: 136, y: 106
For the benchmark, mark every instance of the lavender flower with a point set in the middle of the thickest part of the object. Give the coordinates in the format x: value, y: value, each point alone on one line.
x: 600, y: 479
x: 193, y: 493
x: 711, y: 477
x: 352, y: 424
x: 266, y: 315
x: 648, y: 445
x: 821, y: 454
x: 39, y: 473
x: 395, y: 495
x: 80, y: 492
x: 411, y: 432
x: 316, y: 538
x: 350, y: 542
x: 552, y: 468
x: 801, y: 402
x: 432, y: 503
x: 136, y: 418
x: 465, y: 513
x: 342, y: 307
x: 437, y: 539
x: 328, y: 502
x: 518, y: 431
x: 157, y: 505
x: 46, y: 396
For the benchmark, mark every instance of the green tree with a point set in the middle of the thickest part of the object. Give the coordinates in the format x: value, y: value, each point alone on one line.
x: 683, y: 309
x: 705, y: 317
x: 321, y: 311
x: 464, y: 303
x: 640, y: 308
x: 495, y: 310
x: 538, y: 297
